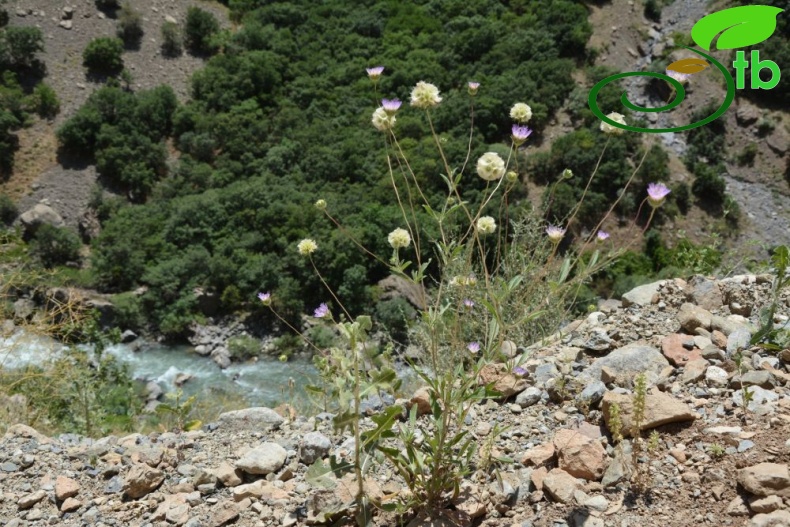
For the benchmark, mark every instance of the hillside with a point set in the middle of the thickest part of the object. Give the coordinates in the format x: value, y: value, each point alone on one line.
x: 195, y: 160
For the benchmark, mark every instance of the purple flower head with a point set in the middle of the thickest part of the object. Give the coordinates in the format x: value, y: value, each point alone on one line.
x: 266, y: 298
x: 473, y: 347
x: 520, y: 133
x: 472, y: 87
x: 656, y: 192
x: 390, y: 105
x: 555, y: 233
x: 469, y: 304
x: 602, y: 236
x: 518, y: 370
x: 321, y: 311
x: 375, y: 72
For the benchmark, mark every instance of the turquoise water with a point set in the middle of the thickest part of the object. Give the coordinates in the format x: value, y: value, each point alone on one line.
x: 262, y: 383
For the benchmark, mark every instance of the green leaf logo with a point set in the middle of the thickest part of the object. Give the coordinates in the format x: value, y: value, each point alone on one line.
x: 738, y: 27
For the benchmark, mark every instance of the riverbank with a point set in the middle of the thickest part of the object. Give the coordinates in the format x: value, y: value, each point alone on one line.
x: 716, y: 459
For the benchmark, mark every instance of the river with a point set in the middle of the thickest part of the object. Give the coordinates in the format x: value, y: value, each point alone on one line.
x: 262, y: 383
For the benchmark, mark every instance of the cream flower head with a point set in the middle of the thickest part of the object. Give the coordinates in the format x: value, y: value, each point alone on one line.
x: 613, y: 130
x: 307, y: 247
x: 490, y: 166
x: 521, y: 112
x: 425, y: 95
x: 382, y: 120
x: 486, y: 225
x: 399, y: 238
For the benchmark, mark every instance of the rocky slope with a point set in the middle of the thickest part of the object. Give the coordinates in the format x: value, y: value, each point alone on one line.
x: 712, y: 461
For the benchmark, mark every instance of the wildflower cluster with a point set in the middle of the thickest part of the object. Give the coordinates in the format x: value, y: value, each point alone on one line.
x: 519, y: 265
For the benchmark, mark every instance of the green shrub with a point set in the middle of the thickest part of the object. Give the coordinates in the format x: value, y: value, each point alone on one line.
x: 171, y: 39
x: 103, y: 56
x: 45, y: 101
x: 244, y: 347
x: 709, y: 186
x: 19, y: 45
x: 395, y: 315
x: 128, y: 311
x: 653, y: 10
x: 765, y: 126
x: 107, y: 4
x: 8, y: 209
x: 200, y: 27
x: 55, y: 245
x: 129, y: 27
x: 747, y: 155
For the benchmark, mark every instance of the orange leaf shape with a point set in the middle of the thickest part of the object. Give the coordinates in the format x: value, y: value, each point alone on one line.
x: 689, y: 66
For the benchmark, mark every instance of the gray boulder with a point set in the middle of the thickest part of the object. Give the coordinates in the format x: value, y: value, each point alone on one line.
x: 627, y: 362
x: 40, y: 214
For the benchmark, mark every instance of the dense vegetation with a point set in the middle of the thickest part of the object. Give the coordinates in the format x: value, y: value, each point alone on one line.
x: 280, y: 116
x: 19, y: 47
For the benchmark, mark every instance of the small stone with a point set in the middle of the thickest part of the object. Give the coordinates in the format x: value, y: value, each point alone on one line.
x: 692, y: 317
x: 66, y: 24
x: 660, y: 409
x: 422, y: 398
x: 779, y: 518
x: 719, y: 339
x: 70, y: 505
x: 642, y: 295
x: 579, y: 456
x: 593, y: 392
x: 738, y: 340
x: 716, y: 376
x: 760, y: 398
x: 228, y: 475
x: 502, y: 381
x: 738, y: 507
x: 704, y: 292
x: 539, y: 455
x: 765, y: 505
x: 678, y: 454
x: 765, y: 479
x: 141, y: 480
x: 252, y: 418
x: 560, y: 485
x: 263, y: 459
x: 762, y: 378
x: 529, y: 397
x: 693, y: 371
x: 314, y: 445
x: 597, y: 503
x: 223, y: 513
x: 65, y: 488
x: 509, y: 349
x: 28, y: 500
x: 679, y: 349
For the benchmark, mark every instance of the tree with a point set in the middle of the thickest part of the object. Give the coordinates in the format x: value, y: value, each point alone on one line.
x: 8, y: 209
x: 171, y: 39
x: 55, y: 246
x: 200, y: 27
x: 130, y: 26
x: 45, y: 101
x: 103, y: 56
x: 19, y: 45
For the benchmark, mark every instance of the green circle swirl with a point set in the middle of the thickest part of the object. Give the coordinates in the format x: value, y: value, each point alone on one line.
x: 680, y: 94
